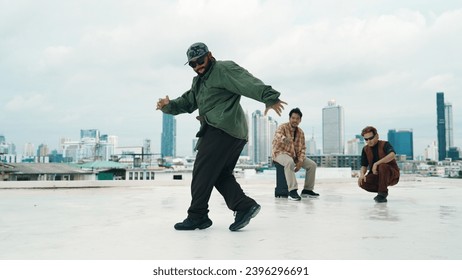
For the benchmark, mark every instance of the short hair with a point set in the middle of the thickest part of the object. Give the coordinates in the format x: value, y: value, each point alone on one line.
x: 368, y: 129
x: 296, y: 111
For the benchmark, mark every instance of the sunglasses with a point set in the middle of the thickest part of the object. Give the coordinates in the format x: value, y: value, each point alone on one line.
x: 199, y: 61
x: 369, y: 139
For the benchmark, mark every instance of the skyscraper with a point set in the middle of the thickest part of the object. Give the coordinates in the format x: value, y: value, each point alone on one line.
x: 89, y: 145
x: 89, y: 135
x: 43, y: 150
x: 449, y: 125
x: 168, y: 138
x: 441, y: 125
x: 29, y: 150
x: 311, y: 145
x: 263, y: 129
x: 402, y: 141
x: 355, y: 145
x: 246, y: 150
x: 333, y: 129
x: 3, y: 145
x: 431, y: 152
x: 147, y: 150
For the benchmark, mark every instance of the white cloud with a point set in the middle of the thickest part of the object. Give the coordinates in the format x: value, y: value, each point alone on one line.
x: 28, y: 104
x: 438, y: 82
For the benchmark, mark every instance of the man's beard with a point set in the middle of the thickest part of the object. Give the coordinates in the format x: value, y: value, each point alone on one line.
x: 207, y: 67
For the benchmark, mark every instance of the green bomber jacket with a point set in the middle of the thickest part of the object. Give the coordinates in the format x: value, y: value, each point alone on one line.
x: 217, y: 95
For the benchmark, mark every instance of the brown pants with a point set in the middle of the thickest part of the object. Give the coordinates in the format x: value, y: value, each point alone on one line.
x: 387, y: 176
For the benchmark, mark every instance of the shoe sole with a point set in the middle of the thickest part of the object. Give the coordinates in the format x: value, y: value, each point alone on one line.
x: 309, y: 195
x: 381, y: 200
x: 201, y: 226
x: 247, y: 219
x: 294, y: 199
x: 205, y: 225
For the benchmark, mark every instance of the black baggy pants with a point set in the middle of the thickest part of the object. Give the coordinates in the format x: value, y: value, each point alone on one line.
x: 217, y: 155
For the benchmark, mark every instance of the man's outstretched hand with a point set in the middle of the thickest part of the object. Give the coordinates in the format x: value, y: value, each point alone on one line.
x: 162, y: 102
x: 277, y: 107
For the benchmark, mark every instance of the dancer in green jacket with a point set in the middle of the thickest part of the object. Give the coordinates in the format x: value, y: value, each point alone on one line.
x: 216, y: 92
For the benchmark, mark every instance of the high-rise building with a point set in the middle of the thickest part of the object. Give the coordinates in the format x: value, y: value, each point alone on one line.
x: 3, y: 145
x: 431, y: 152
x: 333, y: 129
x: 441, y: 125
x: 29, y: 150
x: 311, y: 145
x: 403, y: 142
x: 355, y: 145
x: 106, y: 147
x: 89, y: 135
x: 43, y: 150
x: 246, y: 150
x: 449, y: 125
x: 454, y: 153
x: 263, y: 129
x: 168, y: 139
x: 147, y: 157
x: 89, y: 145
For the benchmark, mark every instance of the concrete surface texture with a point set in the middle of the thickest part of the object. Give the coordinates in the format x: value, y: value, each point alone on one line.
x: 421, y: 221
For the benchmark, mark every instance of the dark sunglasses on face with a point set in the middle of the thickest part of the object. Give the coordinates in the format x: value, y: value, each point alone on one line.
x: 369, y: 139
x: 199, y: 61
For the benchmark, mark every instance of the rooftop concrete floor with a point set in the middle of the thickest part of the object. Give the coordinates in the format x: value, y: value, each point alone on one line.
x: 421, y: 221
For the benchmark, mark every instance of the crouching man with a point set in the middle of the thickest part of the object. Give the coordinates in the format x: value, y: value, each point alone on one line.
x: 378, y: 165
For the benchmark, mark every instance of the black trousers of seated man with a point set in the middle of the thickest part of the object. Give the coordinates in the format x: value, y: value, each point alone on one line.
x: 218, y: 153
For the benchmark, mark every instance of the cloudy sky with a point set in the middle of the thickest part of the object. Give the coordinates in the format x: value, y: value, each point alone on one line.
x: 83, y: 64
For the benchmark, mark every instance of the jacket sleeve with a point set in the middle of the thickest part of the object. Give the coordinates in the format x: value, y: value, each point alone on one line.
x: 279, y: 136
x: 278, y: 145
x: 186, y: 103
x: 238, y: 80
x: 302, y: 153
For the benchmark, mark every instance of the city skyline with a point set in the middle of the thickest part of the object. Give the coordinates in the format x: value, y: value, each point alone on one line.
x: 101, y: 65
x: 261, y: 133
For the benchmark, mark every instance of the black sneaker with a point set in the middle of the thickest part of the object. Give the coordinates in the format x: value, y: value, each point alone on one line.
x: 243, y: 217
x: 380, y: 198
x: 293, y: 195
x: 310, y: 193
x: 192, y: 224
x: 283, y: 195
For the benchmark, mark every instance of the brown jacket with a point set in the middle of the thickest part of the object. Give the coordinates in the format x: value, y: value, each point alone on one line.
x: 370, y: 157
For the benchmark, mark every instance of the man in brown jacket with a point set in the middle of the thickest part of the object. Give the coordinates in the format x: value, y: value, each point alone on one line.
x: 378, y: 165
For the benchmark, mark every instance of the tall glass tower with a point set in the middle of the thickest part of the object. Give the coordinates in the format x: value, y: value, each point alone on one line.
x: 402, y: 142
x: 441, y: 125
x: 333, y: 129
x: 168, y: 138
x: 263, y: 130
